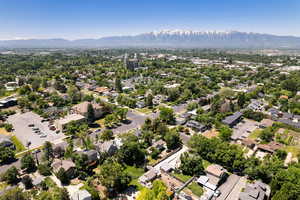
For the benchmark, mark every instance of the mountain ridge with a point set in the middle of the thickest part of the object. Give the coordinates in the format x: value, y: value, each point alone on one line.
x: 167, y: 38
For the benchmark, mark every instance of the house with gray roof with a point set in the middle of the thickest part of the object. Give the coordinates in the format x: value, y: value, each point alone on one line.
x: 233, y: 119
x: 255, y: 191
x: 81, y: 195
x: 107, y: 147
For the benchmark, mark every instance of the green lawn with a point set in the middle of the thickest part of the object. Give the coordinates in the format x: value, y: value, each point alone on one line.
x: 182, y: 177
x: 135, y: 173
x: 295, y: 150
x: 206, y: 163
x: 255, y: 134
x: 144, y: 110
x: 196, y: 189
x: 19, y: 146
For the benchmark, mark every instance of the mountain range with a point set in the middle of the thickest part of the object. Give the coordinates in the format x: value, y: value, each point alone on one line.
x: 168, y: 38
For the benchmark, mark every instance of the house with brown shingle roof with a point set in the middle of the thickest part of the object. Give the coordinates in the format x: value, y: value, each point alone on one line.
x: 82, y: 109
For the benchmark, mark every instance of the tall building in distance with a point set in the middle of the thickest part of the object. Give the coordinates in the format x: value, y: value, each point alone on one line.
x: 131, y: 63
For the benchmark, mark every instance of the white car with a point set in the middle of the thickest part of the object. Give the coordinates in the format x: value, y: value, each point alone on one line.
x: 217, y: 193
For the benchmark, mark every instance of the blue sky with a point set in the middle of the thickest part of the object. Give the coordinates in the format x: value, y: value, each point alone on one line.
x: 73, y: 19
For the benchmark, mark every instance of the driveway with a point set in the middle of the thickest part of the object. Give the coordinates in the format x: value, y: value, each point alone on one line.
x: 235, y: 192
x: 137, y: 120
x: 227, y: 187
x: 173, y: 159
x: 20, y: 122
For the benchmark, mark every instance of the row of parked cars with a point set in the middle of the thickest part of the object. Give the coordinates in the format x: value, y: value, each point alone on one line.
x: 37, y: 131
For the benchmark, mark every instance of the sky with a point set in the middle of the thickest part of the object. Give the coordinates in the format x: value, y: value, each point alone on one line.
x: 76, y: 19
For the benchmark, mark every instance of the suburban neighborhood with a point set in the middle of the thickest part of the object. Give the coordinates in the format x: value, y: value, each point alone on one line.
x: 149, y: 124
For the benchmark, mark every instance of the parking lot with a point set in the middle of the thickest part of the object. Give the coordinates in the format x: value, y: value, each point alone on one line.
x: 243, y: 129
x: 26, y: 134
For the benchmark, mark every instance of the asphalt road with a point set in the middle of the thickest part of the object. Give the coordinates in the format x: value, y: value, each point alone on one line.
x: 17, y: 163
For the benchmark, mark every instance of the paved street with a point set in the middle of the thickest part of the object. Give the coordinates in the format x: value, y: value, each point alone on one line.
x: 17, y: 164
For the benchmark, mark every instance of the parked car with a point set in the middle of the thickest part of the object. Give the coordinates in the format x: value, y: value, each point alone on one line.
x: 31, y: 125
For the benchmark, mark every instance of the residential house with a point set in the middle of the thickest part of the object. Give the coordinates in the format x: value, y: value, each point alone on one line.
x: 284, y: 117
x: 216, y: 174
x: 108, y: 147
x: 233, y: 119
x: 197, y: 126
x: 269, y: 148
x: 159, y: 144
x: 62, y: 123
x: 256, y: 105
x: 59, y: 149
x: 67, y: 165
x: 92, y: 156
x: 140, y: 104
x: 102, y: 90
x: 5, y: 142
x: 148, y: 177
x: 255, y: 191
x: 82, y: 109
x: 81, y: 195
x: 8, y: 102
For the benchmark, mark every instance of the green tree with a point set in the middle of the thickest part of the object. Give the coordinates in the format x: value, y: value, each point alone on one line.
x: 11, y: 176
x: 266, y: 135
x: 241, y: 99
x: 172, y: 139
x: 28, y: 163
x: 61, y: 194
x: 6, y: 154
x: 44, y: 169
x: 113, y: 176
x: 62, y: 176
x: 14, y: 194
x: 167, y: 115
x: 121, y: 113
x: 48, y: 154
x: 149, y: 100
x: 118, y: 85
x: 157, y: 192
x: 225, y: 133
x: 90, y: 113
x: 27, y: 181
x: 191, y: 164
x: 106, y: 135
x: 131, y: 153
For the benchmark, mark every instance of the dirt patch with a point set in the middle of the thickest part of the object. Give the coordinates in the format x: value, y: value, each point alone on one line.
x: 211, y: 133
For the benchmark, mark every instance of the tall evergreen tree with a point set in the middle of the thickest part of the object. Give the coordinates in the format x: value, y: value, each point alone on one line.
x: 90, y: 114
x: 118, y: 85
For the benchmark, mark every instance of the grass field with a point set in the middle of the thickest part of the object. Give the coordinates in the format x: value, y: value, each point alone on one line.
x: 255, y: 134
x: 295, y: 150
x: 182, y: 177
x: 144, y: 110
x: 19, y: 146
x: 135, y: 173
x: 196, y: 189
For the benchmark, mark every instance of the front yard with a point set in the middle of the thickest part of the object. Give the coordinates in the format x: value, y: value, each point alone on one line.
x: 135, y: 173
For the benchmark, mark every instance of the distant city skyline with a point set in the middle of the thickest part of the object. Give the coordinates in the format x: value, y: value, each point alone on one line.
x: 77, y: 19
